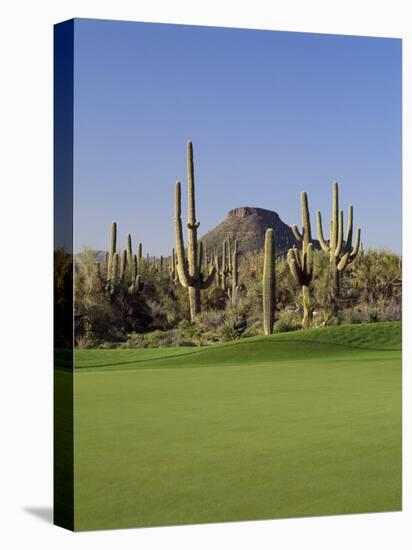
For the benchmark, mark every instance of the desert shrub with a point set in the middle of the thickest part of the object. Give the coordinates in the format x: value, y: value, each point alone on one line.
x: 288, y: 321
x: 214, y: 298
x: 372, y: 312
x: 351, y: 316
x: 158, y: 338
x: 323, y: 318
x: 85, y: 342
x: 189, y: 333
x: 392, y: 310
x: 134, y: 340
x: 108, y: 345
x: 254, y: 328
x: 234, y: 323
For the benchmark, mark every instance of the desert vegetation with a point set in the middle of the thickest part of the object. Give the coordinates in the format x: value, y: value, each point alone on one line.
x: 199, y: 296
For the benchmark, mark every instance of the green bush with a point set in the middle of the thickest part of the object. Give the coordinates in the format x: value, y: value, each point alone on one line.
x: 288, y: 321
x: 234, y: 323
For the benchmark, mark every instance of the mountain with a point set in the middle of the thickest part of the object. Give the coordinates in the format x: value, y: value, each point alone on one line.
x: 248, y: 225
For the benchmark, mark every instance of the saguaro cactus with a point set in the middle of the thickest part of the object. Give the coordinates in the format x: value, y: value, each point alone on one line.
x: 269, y: 282
x: 114, y: 276
x: 235, y: 274
x: 189, y: 269
x: 340, y: 252
x: 123, y: 264
x: 172, y: 267
x: 112, y: 249
x: 130, y: 263
x: 301, y: 261
x: 224, y: 266
x: 216, y: 264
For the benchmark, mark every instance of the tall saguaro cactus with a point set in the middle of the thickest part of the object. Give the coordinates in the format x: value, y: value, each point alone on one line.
x: 189, y: 269
x: 235, y: 274
x: 269, y: 282
x: 340, y: 252
x: 112, y: 249
x: 301, y: 261
x: 123, y: 264
x: 172, y: 267
x: 114, y: 275
x: 224, y: 266
x: 130, y: 262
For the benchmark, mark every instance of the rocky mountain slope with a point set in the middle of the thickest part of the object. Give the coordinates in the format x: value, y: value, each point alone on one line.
x: 248, y: 225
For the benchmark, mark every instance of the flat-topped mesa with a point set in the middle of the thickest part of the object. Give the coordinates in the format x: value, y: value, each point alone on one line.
x: 245, y: 211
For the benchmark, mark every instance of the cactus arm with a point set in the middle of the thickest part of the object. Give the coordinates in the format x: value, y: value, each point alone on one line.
x: 115, y: 272
x: 130, y: 259
x: 115, y: 265
x: 134, y: 267
x: 229, y: 254
x: 293, y: 268
x: 349, y: 256
x: 298, y: 236
x: 297, y: 257
x: 321, y: 238
x: 123, y: 263
x: 200, y: 255
x: 339, y: 241
x: 348, y: 245
x: 191, y: 220
x: 309, y: 260
x: 224, y: 268
x: 344, y: 261
x: 209, y: 279
x: 335, y: 216
x: 182, y: 271
x: 235, y: 266
x: 356, y: 247
x: 112, y: 249
x: 306, y: 229
x: 192, y: 223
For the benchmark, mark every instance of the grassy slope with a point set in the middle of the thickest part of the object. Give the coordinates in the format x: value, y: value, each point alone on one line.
x: 290, y: 425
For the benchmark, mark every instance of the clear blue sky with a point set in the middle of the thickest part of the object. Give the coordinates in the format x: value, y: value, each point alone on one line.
x: 270, y: 114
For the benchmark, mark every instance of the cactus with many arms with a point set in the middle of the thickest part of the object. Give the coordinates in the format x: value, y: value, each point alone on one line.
x: 269, y: 282
x: 189, y: 269
x: 301, y: 261
x: 340, y: 252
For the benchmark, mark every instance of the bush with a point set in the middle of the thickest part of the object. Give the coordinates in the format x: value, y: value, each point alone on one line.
x: 253, y: 329
x: 288, y: 321
x: 351, y: 316
x: 234, y: 323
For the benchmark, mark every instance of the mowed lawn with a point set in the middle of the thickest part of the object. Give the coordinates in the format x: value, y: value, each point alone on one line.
x: 295, y: 424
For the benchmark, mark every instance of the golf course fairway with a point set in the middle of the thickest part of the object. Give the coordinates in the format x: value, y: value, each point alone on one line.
x: 295, y: 424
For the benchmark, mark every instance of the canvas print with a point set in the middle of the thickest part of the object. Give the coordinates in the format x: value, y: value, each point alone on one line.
x: 228, y: 274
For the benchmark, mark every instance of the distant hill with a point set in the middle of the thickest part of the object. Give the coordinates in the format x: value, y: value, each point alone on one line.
x: 248, y: 225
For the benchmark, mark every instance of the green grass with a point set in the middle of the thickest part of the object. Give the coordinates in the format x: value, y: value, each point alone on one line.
x: 295, y: 424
